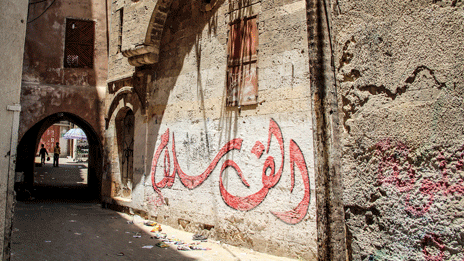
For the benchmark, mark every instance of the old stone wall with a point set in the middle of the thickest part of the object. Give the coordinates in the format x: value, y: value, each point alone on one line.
x: 400, y: 77
x: 13, y: 15
x: 243, y: 175
x: 128, y: 25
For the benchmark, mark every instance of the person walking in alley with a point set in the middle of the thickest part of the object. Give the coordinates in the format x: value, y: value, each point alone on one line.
x: 42, y: 153
x: 56, y: 154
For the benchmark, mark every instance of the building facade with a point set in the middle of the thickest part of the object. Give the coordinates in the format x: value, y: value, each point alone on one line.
x: 208, y: 120
x: 320, y: 130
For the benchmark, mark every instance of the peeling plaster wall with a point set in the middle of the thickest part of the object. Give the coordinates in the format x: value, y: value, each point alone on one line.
x: 188, y: 129
x: 13, y: 14
x: 400, y: 76
x: 39, y: 101
x: 47, y: 86
x: 43, y: 59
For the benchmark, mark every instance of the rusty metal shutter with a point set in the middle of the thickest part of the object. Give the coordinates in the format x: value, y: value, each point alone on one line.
x: 79, y: 43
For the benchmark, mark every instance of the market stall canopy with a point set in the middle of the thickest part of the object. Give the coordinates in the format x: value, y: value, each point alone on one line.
x: 75, y: 134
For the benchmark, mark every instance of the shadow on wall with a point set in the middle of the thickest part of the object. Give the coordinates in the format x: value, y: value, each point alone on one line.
x: 27, y: 149
x: 183, y: 37
x: 187, y: 30
x: 182, y: 33
x: 183, y: 30
x: 47, y: 57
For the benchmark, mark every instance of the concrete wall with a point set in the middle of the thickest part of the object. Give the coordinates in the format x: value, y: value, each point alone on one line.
x: 13, y: 15
x: 47, y: 86
x: 186, y: 131
x: 400, y: 76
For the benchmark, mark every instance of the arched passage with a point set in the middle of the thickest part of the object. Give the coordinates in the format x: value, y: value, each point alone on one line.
x: 28, y: 146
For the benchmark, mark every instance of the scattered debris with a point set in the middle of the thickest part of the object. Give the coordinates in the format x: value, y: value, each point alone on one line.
x: 150, y: 223
x: 157, y: 228
x: 181, y: 245
x: 199, y: 237
x: 148, y: 247
x: 159, y: 236
x: 120, y: 254
x: 162, y: 245
x: 183, y: 248
x: 199, y: 248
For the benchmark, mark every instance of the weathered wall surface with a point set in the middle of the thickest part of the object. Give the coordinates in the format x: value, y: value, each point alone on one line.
x: 400, y: 76
x: 13, y: 15
x: 49, y: 87
x: 45, y: 39
x: 39, y: 101
x: 130, y: 33
x: 240, y: 175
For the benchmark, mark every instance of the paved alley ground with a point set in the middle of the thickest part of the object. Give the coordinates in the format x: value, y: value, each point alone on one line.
x: 69, y: 173
x: 60, y: 223
x: 85, y: 231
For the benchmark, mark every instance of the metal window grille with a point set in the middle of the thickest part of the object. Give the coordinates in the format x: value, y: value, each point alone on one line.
x: 128, y: 147
x: 79, y: 43
x: 120, y: 29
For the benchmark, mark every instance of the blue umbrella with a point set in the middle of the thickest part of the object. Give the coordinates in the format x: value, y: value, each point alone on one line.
x: 75, y: 134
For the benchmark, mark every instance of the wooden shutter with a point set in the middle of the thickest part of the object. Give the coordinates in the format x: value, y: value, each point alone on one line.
x: 242, y: 77
x: 79, y: 44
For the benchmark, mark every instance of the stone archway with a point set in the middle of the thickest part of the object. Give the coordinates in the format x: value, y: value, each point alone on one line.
x: 28, y: 145
x: 125, y: 106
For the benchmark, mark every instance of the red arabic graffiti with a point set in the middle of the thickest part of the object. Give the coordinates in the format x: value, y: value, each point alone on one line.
x: 433, y: 240
x: 270, y: 176
x: 395, y: 169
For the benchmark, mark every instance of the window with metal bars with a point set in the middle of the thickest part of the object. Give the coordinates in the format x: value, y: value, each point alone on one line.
x: 242, y: 75
x: 121, y: 22
x: 79, y: 43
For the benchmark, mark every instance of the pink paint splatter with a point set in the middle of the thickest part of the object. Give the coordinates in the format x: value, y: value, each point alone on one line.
x: 390, y: 171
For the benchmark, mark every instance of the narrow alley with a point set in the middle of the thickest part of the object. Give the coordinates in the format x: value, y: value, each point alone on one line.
x: 60, y: 222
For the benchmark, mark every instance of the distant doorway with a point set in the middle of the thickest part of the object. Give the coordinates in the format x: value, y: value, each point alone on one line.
x: 72, y: 169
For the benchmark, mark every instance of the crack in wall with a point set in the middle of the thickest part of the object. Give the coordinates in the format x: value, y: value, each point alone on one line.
x: 352, y: 102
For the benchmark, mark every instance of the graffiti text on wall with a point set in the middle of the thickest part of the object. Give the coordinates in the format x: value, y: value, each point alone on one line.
x: 270, y: 175
x: 395, y: 168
